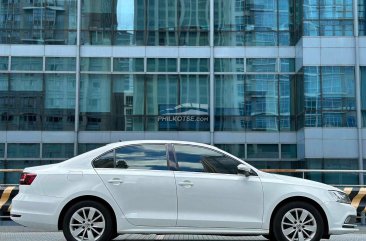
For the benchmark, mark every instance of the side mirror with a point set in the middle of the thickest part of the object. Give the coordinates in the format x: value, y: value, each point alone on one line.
x: 244, y: 170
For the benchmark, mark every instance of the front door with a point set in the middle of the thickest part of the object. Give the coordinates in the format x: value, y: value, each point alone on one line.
x: 142, y: 184
x: 210, y: 192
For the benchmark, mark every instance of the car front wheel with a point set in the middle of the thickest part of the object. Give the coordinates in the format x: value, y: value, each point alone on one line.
x: 88, y: 220
x: 298, y: 221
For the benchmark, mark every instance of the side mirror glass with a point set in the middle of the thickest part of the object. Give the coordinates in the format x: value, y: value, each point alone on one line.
x: 244, y: 170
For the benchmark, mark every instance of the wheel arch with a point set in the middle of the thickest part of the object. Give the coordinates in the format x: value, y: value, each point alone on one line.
x: 86, y: 198
x: 302, y: 199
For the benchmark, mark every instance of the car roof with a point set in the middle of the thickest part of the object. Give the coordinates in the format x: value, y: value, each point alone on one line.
x: 125, y: 143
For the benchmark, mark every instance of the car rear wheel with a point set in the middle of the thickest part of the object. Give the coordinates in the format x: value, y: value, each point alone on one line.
x: 298, y: 221
x: 88, y: 220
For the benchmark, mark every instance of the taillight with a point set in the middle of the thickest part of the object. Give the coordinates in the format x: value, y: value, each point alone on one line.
x: 27, y: 178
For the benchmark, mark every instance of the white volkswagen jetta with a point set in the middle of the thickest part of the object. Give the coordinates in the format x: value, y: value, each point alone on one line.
x: 175, y: 187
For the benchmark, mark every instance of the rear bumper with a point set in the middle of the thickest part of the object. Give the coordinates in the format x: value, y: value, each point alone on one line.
x: 36, y: 211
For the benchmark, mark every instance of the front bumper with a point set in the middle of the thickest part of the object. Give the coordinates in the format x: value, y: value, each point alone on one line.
x: 341, y: 218
x: 35, y: 211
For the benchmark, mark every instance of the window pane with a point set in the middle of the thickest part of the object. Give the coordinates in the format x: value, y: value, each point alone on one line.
x: 2, y: 150
x: 263, y: 151
x: 194, y: 65
x: 128, y: 65
x: 4, y: 63
x: 288, y: 151
x: 287, y: 65
x: 229, y: 65
x: 97, y: 19
x: 27, y: 63
x: 26, y: 82
x: 60, y: 64
x: 57, y: 150
x: 129, y: 92
x: 338, y: 88
x: 261, y: 65
x: 199, y: 159
x: 105, y: 161
x: 95, y: 64
x: 363, y: 94
x: 161, y: 65
x: 261, y: 98
x: 95, y: 102
x: 147, y: 157
x: 23, y: 150
x: 234, y: 149
x: 38, y: 22
x: 4, y: 82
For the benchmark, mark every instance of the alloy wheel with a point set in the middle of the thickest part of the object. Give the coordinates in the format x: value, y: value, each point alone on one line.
x: 87, y: 223
x: 298, y: 224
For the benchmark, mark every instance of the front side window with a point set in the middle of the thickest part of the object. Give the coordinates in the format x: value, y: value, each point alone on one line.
x: 146, y: 157
x: 200, y: 159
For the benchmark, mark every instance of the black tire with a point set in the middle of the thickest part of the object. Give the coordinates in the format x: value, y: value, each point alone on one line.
x: 106, y: 235
x: 299, y: 229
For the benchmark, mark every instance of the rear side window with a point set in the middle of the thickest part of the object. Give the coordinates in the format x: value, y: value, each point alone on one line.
x: 200, y: 159
x: 146, y: 156
x: 105, y: 161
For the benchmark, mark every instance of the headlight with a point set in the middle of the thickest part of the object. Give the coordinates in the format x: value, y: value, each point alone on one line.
x: 340, y: 197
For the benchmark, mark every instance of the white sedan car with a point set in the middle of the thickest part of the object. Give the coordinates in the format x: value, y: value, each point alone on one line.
x: 175, y: 187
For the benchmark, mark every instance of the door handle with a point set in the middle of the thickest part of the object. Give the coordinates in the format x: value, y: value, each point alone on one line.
x: 115, y: 181
x: 186, y: 184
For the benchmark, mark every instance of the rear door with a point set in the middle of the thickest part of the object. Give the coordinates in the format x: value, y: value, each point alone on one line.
x: 139, y: 179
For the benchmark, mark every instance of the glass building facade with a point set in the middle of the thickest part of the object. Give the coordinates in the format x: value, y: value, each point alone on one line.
x: 279, y: 83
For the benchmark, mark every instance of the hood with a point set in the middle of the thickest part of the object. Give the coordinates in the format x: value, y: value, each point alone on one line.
x: 303, y: 182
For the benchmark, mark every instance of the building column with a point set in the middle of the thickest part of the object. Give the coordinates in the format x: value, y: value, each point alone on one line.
x: 77, y: 86
x: 358, y: 91
x: 212, y: 81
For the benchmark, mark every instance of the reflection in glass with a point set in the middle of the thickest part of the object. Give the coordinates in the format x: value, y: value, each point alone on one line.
x: 361, y: 17
x: 128, y: 65
x: 58, y: 150
x: 27, y: 63
x: 363, y: 94
x: 229, y: 65
x: 229, y: 110
x: 4, y: 63
x: 60, y: 64
x: 288, y: 151
x: 237, y: 150
x: 38, y: 22
x: 128, y: 104
x: 59, y: 103
x: 312, y: 94
x: 23, y: 150
x: 261, y: 98
x: 199, y: 159
x: 194, y: 65
x: 145, y: 157
x: 261, y: 65
x: 328, y: 18
x: 263, y: 151
x: 287, y: 102
x: 162, y: 65
x: 95, y: 102
x: 95, y: 64
x: 338, y: 91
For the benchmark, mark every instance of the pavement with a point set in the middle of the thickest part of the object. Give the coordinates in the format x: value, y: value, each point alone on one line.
x: 10, y: 231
